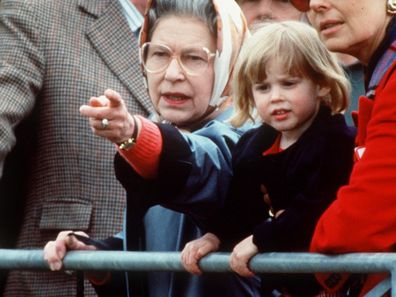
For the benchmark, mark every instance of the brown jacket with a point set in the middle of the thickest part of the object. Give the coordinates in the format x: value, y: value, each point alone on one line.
x: 55, y: 55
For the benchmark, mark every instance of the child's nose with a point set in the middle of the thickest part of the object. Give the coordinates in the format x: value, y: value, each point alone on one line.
x: 276, y: 94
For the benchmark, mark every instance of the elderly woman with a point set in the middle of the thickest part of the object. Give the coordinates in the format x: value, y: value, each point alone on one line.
x: 362, y: 218
x: 188, y: 49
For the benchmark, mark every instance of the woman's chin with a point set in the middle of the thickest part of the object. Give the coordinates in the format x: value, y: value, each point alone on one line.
x: 174, y: 118
x: 337, y: 46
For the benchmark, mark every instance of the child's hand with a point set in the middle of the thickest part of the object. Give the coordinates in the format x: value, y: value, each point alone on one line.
x: 196, y: 249
x: 241, y: 256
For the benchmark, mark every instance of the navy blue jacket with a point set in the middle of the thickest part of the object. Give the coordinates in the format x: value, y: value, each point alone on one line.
x: 303, y: 179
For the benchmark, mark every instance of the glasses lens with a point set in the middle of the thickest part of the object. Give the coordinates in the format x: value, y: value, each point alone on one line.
x: 155, y: 57
x: 301, y: 5
x: 195, y: 60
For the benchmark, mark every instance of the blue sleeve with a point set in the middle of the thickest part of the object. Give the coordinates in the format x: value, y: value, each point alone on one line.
x: 195, y: 168
x: 194, y: 171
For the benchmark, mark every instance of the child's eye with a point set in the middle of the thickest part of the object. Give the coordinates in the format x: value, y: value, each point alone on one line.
x: 290, y: 82
x: 261, y: 87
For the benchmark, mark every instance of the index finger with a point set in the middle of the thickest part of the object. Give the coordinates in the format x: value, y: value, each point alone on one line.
x: 114, y: 98
x: 101, y: 101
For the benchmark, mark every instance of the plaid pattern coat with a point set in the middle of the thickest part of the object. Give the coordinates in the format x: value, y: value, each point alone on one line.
x: 55, y: 55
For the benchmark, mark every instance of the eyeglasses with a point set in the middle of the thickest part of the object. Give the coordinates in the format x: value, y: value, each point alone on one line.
x: 301, y: 5
x: 157, y: 57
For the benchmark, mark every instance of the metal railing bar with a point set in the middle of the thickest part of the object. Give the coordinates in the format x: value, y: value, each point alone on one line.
x: 216, y: 262
x: 310, y: 262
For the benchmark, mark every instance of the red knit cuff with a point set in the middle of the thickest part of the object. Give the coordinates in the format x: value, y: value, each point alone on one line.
x: 145, y: 154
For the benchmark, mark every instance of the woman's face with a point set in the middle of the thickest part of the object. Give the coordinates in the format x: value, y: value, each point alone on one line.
x: 354, y: 27
x: 179, y: 97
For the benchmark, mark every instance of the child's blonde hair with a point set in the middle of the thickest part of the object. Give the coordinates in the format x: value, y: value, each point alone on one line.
x: 298, y: 47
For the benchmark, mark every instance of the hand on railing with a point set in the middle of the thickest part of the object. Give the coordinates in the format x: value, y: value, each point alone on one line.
x: 55, y: 251
x: 241, y: 255
x: 196, y: 249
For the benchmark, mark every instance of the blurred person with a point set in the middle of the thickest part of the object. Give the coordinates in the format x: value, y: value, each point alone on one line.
x: 257, y: 11
x: 179, y: 161
x: 53, y: 55
x: 365, y: 207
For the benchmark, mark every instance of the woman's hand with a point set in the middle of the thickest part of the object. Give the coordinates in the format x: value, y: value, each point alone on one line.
x: 109, y: 117
x: 55, y: 251
x: 241, y: 256
x: 196, y: 249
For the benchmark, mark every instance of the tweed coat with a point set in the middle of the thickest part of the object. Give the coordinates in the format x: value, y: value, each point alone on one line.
x: 55, y: 55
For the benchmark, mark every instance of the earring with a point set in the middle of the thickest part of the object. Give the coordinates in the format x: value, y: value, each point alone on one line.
x: 391, y: 7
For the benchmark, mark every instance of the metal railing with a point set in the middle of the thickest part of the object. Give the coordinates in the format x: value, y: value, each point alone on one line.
x: 215, y: 262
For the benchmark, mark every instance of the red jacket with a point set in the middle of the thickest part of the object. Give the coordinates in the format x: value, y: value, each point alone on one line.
x: 366, y: 207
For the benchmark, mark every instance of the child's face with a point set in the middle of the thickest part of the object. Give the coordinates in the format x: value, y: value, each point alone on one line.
x: 287, y: 103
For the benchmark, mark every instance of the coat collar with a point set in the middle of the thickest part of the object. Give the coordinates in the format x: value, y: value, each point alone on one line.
x: 94, y: 7
x: 324, y: 121
x: 116, y: 44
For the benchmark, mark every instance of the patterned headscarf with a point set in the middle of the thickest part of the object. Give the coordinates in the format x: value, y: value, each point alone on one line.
x: 231, y: 32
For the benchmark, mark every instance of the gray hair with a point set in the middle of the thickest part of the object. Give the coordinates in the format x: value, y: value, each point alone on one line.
x: 202, y: 9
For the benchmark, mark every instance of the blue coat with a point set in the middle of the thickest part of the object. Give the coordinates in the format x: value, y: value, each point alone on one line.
x: 194, y: 174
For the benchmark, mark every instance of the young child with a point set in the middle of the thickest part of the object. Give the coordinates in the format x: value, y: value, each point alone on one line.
x: 286, y: 171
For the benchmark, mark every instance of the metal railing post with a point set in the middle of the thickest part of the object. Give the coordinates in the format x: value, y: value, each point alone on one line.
x: 393, y: 281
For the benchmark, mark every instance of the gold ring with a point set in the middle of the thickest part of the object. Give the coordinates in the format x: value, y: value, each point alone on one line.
x: 105, y: 123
